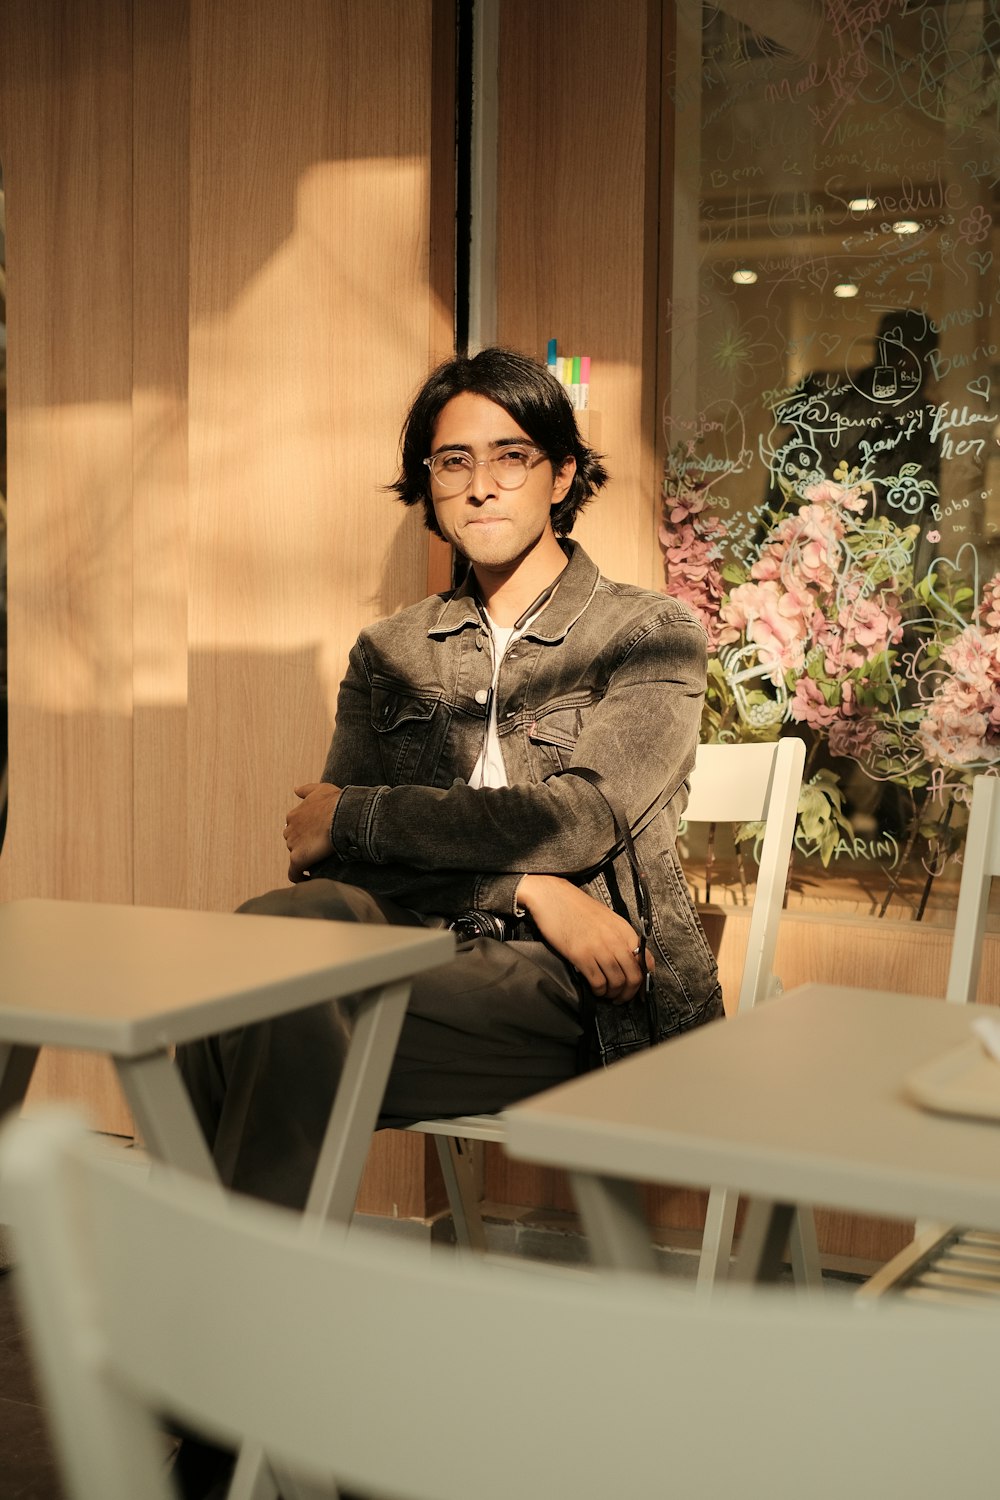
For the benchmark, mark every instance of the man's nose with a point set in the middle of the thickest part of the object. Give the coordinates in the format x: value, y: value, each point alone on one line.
x: 482, y: 484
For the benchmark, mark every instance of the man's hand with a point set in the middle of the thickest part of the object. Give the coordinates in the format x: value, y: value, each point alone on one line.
x: 599, y: 944
x: 307, y: 827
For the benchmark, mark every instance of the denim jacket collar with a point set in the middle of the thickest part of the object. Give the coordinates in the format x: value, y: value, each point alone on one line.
x: 576, y: 587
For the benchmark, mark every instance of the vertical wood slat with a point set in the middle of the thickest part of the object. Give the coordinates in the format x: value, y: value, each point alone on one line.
x: 161, y: 232
x: 577, y: 191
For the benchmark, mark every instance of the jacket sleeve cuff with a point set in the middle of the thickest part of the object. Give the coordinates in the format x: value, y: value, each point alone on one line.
x: 350, y: 831
x: 497, y: 893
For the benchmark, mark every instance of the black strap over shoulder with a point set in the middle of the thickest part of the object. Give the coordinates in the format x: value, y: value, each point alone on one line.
x: 643, y: 900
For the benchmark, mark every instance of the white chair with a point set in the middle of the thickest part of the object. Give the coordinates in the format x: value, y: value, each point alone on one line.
x: 729, y: 784
x: 944, y: 1261
x: 160, y: 1296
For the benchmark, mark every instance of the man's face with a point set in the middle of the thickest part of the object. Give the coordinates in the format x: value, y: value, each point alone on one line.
x: 495, y: 528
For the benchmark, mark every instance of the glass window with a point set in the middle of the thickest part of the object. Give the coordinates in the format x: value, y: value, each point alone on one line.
x: 830, y: 503
x: 3, y: 512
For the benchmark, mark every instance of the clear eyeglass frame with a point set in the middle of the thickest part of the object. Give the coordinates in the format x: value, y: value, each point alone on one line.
x: 519, y: 461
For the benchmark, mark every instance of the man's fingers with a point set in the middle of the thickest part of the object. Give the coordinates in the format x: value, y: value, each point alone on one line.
x: 613, y: 976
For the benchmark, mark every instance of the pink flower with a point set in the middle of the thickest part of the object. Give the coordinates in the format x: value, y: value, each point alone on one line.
x: 853, y: 737
x: 692, y: 549
x: 828, y: 492
x: 808, y: 706
x: 955, y: 736
x: 989, y: 610
x: 863, y: 629
x: 772, y: 620
x: 804, y: 550
x: 962, y: 724
x: 858, y: 731
x: 972, y: 656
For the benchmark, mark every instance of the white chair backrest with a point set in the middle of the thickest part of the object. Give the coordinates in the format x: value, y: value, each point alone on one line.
x: 409, y: 1375
x: 980, y: 862
x: 750, y: 784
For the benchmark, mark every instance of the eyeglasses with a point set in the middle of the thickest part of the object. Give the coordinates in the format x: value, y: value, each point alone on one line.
x: 453, y: 470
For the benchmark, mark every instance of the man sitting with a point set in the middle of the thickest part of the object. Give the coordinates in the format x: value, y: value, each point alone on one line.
x: 453, y: 795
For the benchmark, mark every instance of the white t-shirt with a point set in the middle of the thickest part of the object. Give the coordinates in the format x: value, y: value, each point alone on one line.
x: 489, y: 769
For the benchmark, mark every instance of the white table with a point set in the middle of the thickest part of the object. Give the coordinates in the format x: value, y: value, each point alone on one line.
x: 800, y: 1101
x: 135, y: 981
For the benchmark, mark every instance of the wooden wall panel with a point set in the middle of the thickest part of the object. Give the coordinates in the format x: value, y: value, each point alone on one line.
x: 220, y: 301
x: 66, y: 92
x: 310, y: 311
x: 576, y: 235
x: 68, y: 180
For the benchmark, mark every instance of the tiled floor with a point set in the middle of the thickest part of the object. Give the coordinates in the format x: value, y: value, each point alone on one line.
x: 27, y: 1467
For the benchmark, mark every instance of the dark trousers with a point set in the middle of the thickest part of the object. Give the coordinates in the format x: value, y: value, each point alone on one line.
x: 497, y: 1024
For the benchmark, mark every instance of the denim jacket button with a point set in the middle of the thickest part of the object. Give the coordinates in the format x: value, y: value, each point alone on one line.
x: 482, y: 695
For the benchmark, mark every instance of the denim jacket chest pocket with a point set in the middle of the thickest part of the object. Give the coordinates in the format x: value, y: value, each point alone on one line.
x: 553, y: 734
x: 410, y: 730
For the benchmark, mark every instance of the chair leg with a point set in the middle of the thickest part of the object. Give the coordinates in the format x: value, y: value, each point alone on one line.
x: 615, y: 1223
x: 458, y: 1168
x: 717, y: 1240
x: 17, y: 1064
x: 806, y: 1270
x: 252, y: 1478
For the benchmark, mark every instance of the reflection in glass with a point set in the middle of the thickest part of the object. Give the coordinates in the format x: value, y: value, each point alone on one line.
x: 830, y: 501
x: 3, y: 511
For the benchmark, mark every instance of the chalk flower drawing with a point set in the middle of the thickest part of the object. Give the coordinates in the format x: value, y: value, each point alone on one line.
x: 821, y: 624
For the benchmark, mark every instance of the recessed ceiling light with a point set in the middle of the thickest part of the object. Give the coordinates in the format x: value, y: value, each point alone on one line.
x: 744, y: 277
x: 905, y: 226
x: 862, y: 205
x: 845, y: 289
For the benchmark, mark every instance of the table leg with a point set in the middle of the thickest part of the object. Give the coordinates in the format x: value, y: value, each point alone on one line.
x: 164, y: 1114
x: 762, y: 1245
x: 614, y: 1221
x: 375, y: 1030
x: 717, y: 1239
x: 17, y: 1064
x: 377, y: 1022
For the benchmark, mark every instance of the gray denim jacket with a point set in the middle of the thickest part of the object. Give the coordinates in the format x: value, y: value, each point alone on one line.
x: 607, y: 676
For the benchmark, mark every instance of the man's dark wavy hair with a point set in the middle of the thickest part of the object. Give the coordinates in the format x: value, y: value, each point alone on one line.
x: 536, y: 401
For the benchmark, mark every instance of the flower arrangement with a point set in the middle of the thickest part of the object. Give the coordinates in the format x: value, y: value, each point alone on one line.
x: 822, y: 625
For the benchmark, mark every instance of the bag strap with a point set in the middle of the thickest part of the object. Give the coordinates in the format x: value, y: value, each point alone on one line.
x: 643, y: 900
